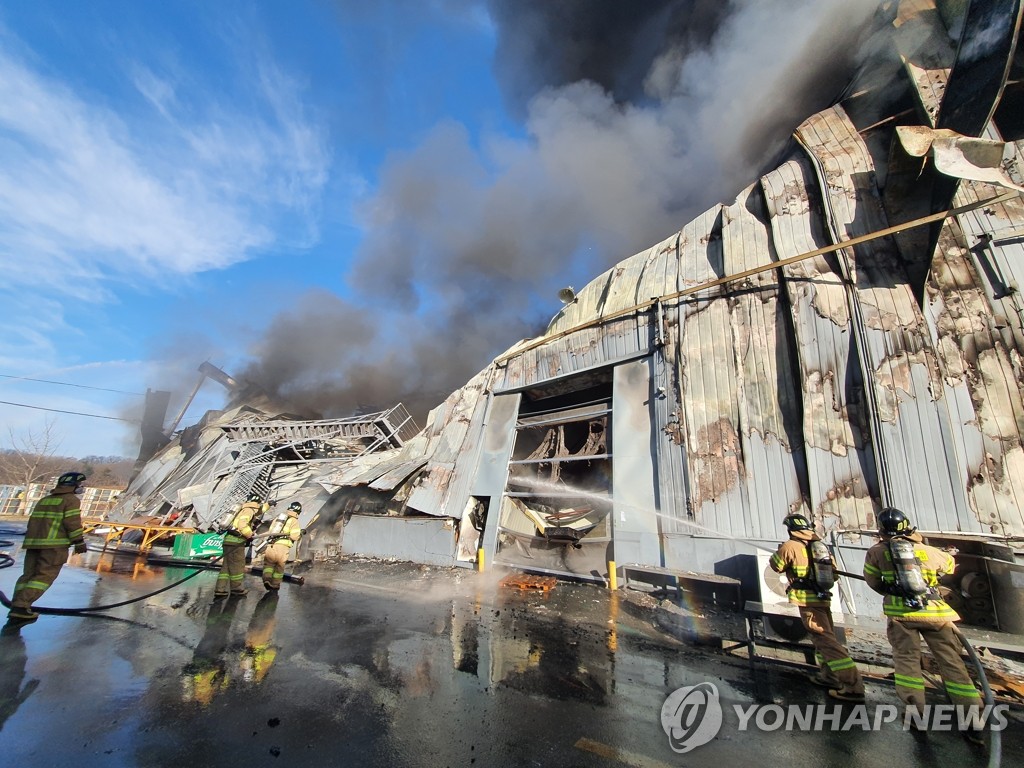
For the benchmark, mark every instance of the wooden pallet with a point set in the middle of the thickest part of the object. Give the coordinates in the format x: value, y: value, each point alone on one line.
x: 526, y: 581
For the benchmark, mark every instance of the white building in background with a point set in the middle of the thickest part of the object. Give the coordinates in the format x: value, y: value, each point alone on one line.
x: 96, y: 502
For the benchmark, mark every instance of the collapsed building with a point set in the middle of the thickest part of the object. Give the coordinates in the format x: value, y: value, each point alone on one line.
x: 847, y: 334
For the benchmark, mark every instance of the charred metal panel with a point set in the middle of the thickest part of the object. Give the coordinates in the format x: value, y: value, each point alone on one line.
x: 634, y: 511
x: 985, y: 354
x: 982, y: 64
x: 966, y: 330
x: 995, y: 236
x: 452, y: 453
x: 840, y: 465
x: 708, y: 384
x: 927, y: 52
x: 596, y: 346
x: 768, y: 396
x: 890, y: 334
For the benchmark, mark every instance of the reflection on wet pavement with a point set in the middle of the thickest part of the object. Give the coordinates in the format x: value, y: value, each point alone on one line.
x: 381, y: 664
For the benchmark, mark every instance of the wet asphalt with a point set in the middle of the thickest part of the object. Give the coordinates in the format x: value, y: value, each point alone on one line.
x: 389, y: 664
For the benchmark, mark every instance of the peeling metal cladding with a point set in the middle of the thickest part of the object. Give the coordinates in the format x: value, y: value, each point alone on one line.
x: 994, y: 236
x: 925, y: 49
x: 891, y: 332
x: 990, y: 358
x: 707, y: 372
x: 442, y: 488
x: 836, y: 455
x: 769, y: 404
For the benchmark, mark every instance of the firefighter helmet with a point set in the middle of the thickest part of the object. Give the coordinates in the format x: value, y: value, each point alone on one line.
x: 892, y: 522
x: 295, y: 507
x: 797, y: 522
x: 71, y: 478
x: 254, y: 497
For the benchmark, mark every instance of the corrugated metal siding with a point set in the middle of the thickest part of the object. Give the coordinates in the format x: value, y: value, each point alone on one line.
x: 708, y: 384
x: 840, y: 465
x: 588, y: 348
x: 889, y: 331
x: 775, y: 468
x: 990, y: 357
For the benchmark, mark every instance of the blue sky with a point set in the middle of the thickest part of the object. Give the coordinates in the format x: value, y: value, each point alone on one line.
x: 340, y: 199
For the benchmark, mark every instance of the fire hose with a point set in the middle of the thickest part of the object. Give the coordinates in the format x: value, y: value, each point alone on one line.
x: 995, y: 737
x: 6, y: 559
x: 97, y: 608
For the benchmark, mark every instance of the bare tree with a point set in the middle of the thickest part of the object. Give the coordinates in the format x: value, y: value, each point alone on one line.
x: 30, y: 459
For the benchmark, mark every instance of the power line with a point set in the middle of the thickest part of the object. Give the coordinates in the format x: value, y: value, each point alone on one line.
x: 68, y: 384
x: 73, y: 413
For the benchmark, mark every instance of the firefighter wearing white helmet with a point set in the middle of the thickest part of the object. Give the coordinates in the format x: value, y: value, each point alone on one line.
x: 284, y: 533
x: 906, y: 571
x: 810, y: 569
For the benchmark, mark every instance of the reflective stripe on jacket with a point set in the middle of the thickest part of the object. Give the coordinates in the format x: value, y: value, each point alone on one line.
x: 880, y: 575
x: 241, y: 526
x: 56, y: 521
x: 791, y: 559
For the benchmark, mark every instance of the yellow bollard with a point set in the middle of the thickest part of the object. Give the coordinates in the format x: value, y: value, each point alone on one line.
x: 480, y: 559
x: 613, y: 577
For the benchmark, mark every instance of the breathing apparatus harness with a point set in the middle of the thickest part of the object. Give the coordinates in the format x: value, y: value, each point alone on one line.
x: 910, y: 583
x: 821, y: 576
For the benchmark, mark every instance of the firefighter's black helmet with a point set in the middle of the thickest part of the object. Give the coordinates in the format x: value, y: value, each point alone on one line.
x: 295, y: 507
x: 254, y: 497
x: 892, y: 522
x: 797, y: 522
x: 71, y: 478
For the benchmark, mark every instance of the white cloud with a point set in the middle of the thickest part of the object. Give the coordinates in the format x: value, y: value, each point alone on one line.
x: 88, y: 194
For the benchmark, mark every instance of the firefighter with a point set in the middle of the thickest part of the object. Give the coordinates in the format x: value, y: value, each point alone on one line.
x: 907, y: 572
x: 55, y: 524
x: 810, y: 569
x: 284, y: 532
x: 237, y: 537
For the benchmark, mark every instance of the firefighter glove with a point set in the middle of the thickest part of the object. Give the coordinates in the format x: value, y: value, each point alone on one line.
x: 80, y: 547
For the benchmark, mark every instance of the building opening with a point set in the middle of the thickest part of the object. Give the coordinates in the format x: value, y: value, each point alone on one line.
x: 555, y: 511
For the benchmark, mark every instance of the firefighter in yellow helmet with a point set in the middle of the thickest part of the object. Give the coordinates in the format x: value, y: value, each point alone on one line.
x: 55, y: 525
x: 284, y: 533
x: 906, y: 571
x: 239, y: 534
x: 810, y: 569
